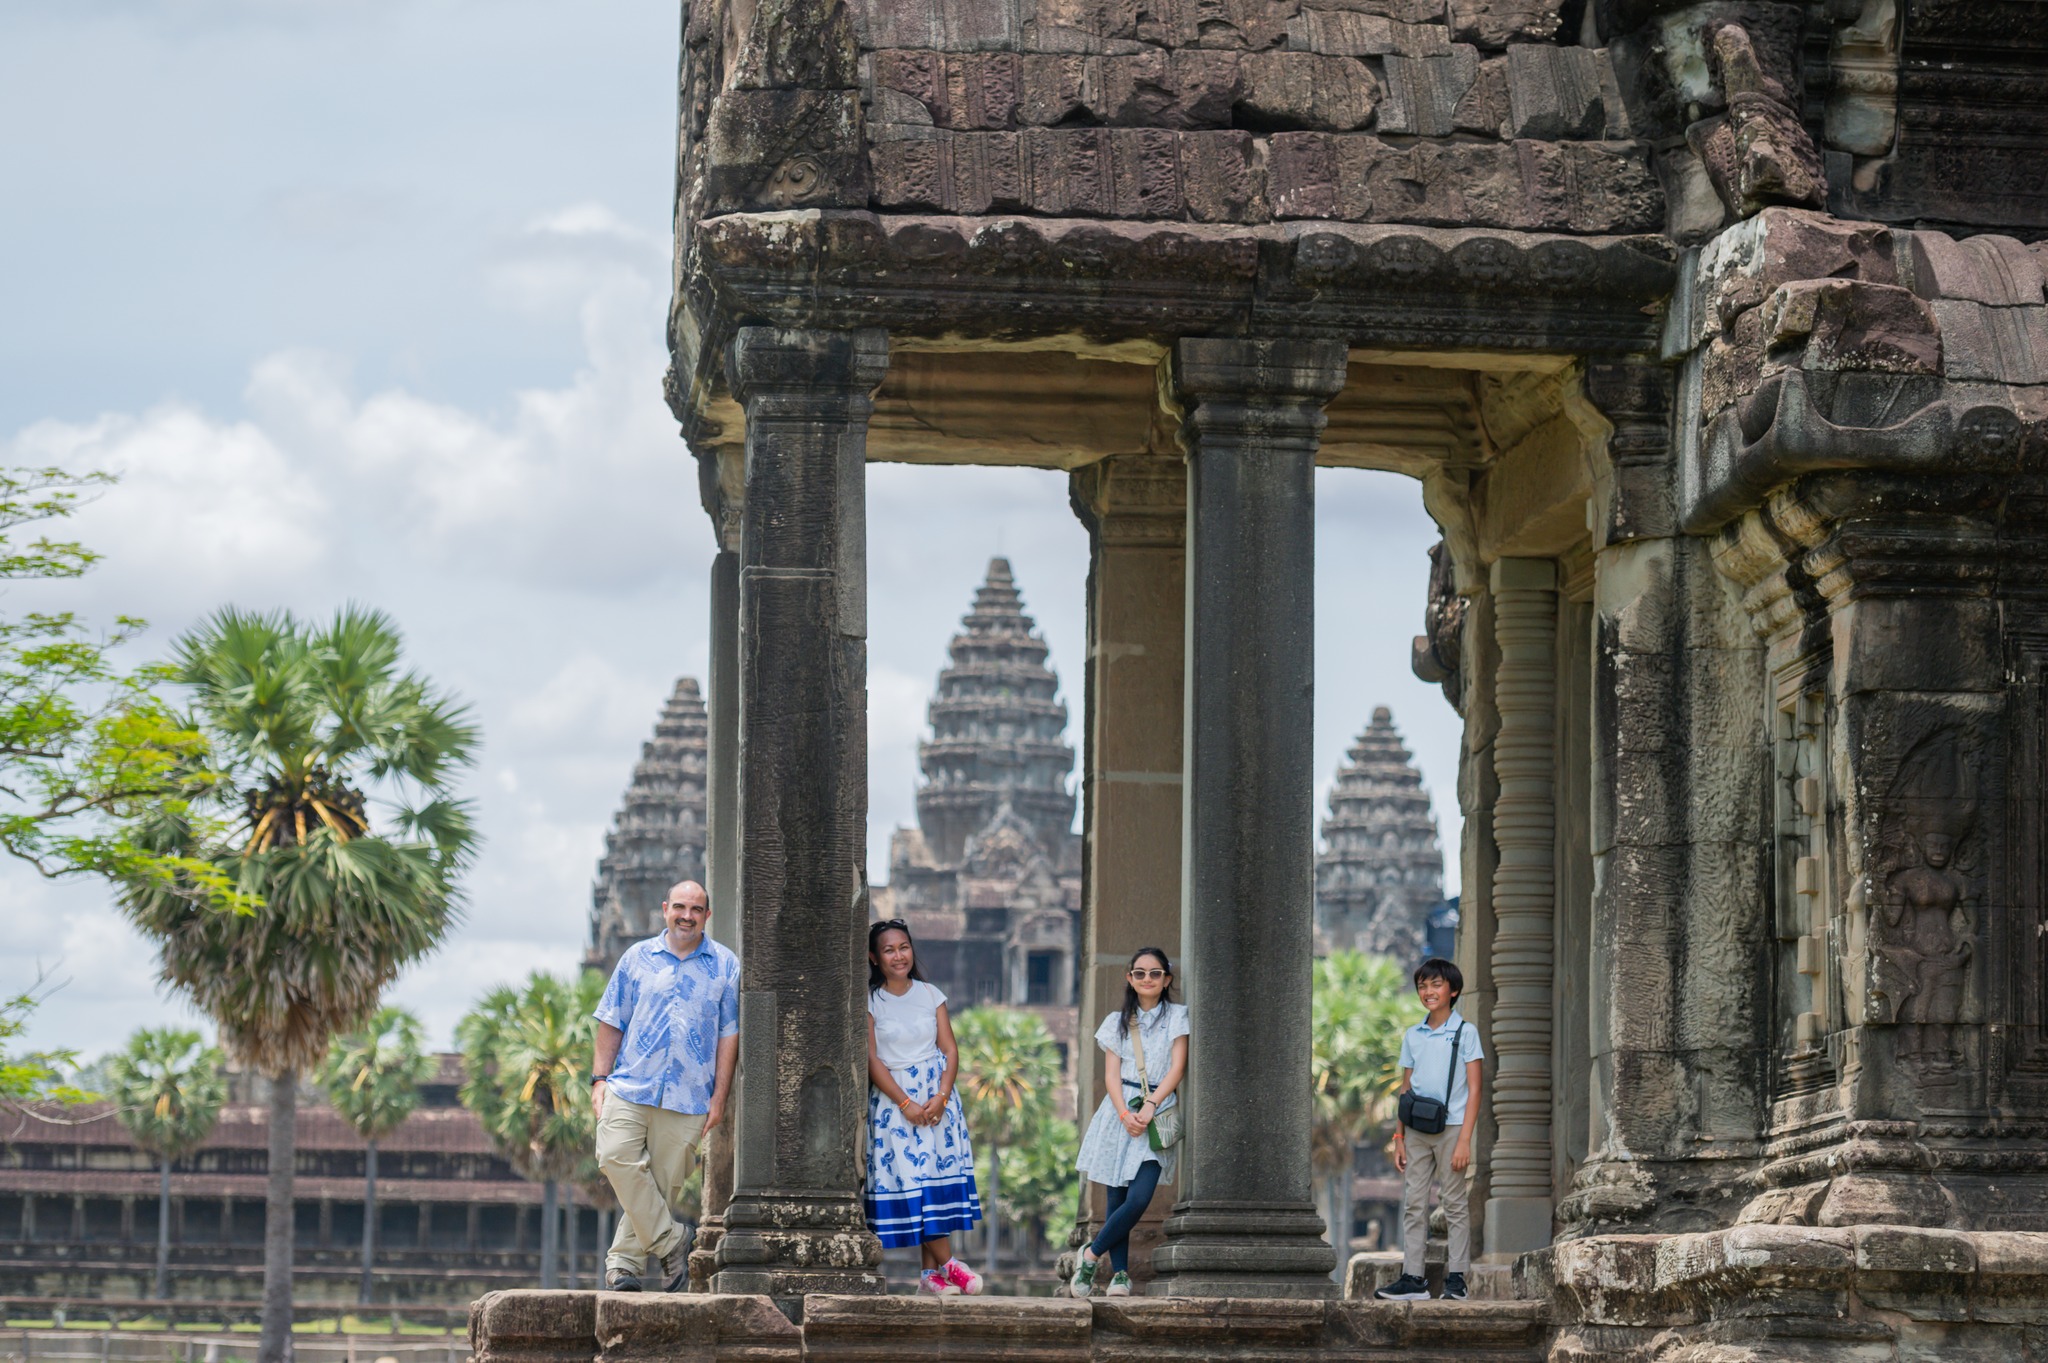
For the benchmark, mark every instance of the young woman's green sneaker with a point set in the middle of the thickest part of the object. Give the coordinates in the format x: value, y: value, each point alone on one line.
x: 1119, y: 1285
x: 1084, y: 1275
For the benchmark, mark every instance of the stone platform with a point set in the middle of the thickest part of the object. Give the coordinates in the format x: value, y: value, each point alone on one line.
x: 611, y: 1327
x: 1748, y: 1294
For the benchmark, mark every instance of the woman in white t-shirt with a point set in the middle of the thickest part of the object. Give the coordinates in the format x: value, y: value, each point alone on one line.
x: 920, y: 1166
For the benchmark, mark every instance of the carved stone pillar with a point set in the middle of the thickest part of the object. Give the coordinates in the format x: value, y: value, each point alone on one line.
x: 1518, y: 1208
x: 721, y: 871
x: 1908, y: 647
x: 794, y: 1224
x: 1135, y: 507
x: 1246, y: 1224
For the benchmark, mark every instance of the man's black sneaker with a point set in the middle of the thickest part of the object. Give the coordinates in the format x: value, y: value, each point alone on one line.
x: 1407, y: 1287
x: 1454, y: 1287
x: 618, y: 1280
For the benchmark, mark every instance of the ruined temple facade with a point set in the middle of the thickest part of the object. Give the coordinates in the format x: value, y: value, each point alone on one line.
x: 1381, y: 870
x: 1716, y: 336
x: 657, y: 836
x: 989, y: 880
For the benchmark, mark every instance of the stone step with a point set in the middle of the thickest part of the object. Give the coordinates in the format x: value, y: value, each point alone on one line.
x: 1369, y: 1272
x: 610, y: 1327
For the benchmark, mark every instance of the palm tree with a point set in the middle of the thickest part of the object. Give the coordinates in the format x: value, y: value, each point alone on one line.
x: 527, y: 1052
x: 168, y: 1088
x: 1038, y: 1175
x: 1009, y: 1065
x: 1357, y: 1016
x: 372, y: 1078
x: 303, y: 725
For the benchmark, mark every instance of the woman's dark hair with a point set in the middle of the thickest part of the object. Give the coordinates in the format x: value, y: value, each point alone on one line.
x: 1130, y: 1008
x: 1437, y: 968
x: 876, y: 978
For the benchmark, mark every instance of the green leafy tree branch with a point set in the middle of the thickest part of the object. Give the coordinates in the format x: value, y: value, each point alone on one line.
x: 86, y: 746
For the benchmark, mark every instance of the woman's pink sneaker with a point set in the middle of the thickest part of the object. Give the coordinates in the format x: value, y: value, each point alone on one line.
x: 938, y: 1283
x: 963, y: 1277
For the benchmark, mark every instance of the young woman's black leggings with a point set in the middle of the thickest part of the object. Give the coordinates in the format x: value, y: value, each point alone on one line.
x: 1126, y: 1205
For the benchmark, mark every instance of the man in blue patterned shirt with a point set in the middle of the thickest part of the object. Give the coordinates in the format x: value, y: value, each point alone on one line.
x: 668, y: 1032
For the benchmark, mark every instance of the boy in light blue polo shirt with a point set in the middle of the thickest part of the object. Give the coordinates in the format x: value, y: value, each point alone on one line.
x: 1439, y: 1059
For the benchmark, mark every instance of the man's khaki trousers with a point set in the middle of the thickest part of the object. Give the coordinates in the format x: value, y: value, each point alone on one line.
x: 1430, y: 1157
x: 646, y: 1154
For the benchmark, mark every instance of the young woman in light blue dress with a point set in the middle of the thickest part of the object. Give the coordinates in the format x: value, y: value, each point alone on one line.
x: 1115, y: 1152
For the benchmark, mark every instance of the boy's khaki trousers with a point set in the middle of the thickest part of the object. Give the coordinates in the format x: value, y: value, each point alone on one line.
x: 1430, y: 1157
x: 646, y: 1154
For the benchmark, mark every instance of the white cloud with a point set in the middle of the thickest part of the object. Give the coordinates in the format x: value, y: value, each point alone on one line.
x: 201, y: 503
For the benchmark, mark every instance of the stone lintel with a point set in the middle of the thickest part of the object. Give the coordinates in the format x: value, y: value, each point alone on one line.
x: 1107, y: 285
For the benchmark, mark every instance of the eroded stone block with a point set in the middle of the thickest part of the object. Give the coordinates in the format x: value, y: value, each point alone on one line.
x: 2005, y: 345
x: 1579, y: 187
x: 663, y: 1327
x: 1218, y: 177
x: 1304, y: 90
x: 1497, y: 23
x: 1555, y: 92
x: 1850, y: 324
x: 1989, y: 269
x: 1424, y: 94
x: 534, y: 1327
x: 778, y: 149
x: 1351, y: 33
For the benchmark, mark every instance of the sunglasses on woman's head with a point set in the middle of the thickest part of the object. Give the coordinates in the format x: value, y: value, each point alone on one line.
x: 1148, y: 974
x: 894, y: 923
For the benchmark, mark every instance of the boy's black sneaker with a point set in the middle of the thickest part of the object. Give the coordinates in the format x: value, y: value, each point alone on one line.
x: 1407, y: 1287
x: 1454, y: 1287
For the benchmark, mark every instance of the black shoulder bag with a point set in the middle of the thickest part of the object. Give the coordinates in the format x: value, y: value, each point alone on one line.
x: 1431, y: 1115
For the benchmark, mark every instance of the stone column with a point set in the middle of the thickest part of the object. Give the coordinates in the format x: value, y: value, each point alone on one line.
x: 794, y: 1224
x: 1246, y: 1223
x: 1518, y: 1208
x: 721, y: 872
x: 1135, y: 508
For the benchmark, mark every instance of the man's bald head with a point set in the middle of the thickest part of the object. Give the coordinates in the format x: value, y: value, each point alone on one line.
x: 685, y: 912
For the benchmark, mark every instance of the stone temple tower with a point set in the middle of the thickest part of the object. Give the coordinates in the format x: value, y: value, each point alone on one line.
x: 990, y: 879
x: 1381, y: 869
x: 657, y: 837
x: 998, y: 729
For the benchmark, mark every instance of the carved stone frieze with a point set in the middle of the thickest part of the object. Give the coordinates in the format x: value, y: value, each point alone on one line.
x: 999, y: 279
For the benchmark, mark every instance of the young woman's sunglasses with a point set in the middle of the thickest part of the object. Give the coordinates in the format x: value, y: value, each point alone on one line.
x: 1148, y: 974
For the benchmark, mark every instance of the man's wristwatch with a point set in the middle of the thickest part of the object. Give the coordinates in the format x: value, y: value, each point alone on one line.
x: 599, y: 1078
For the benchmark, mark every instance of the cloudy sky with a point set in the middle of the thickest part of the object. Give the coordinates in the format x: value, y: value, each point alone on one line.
x: 363, y: 299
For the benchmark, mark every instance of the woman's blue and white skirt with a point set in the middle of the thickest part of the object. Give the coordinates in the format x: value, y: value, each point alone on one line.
x: 920, y: 1178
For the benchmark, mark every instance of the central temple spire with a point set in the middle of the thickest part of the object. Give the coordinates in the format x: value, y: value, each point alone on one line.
x: 998, y: 729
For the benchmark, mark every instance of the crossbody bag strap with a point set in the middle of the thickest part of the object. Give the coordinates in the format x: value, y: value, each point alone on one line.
x: 1451, y: 1074
x: 1138, y: 1044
